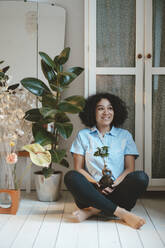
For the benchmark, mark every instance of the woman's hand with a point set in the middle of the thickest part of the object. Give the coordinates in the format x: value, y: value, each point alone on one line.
x: 107, y: 190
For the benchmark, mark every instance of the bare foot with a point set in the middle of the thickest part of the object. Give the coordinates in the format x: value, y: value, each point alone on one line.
x: 83, y: 214
x: 130, y: 218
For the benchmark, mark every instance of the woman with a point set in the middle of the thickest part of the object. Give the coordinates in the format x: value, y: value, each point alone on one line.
x: 103, y: 113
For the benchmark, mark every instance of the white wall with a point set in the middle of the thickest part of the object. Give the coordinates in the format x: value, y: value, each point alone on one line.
x: 75, y: 40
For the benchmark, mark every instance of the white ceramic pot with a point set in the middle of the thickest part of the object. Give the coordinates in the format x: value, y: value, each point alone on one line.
x: 48, y: 189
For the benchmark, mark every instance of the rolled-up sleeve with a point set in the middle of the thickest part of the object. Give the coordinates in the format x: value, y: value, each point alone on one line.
x: 77, y: 146
x: 131, y: 148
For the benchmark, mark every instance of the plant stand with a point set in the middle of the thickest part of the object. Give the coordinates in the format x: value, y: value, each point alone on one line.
x: 15, y: 198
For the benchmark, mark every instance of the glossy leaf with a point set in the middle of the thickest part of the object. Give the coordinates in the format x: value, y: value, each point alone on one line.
x: 76, y: 100
x: 58, y: 67
x: 76, y: 70
x: 48, y: 72
x: 48, y: 112
x: 65, y: 78
x: 33, y: 115
x: 65, y: 163
x: 49, y: 100
x: 69, y: 108
x: 41, y: 135
x: 65, y: 129
x: 35, y: 86
x: 47, y: 60
x: 64, y: 55
x: 61, y: 117
x: 56, y: 88
x: 58, y: 155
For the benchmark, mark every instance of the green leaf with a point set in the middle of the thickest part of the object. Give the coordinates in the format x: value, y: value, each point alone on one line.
x: 35, y: 86
x: 57, y: 155
x: 41, y: 135
x: 33, y: 115
x: 49, y: 101
x: 76, y: 70
x: 56, y: 88
x: 76, y: 100
x: 69, y: 108
x: 5, y: 69
x: 65, y: 129
x: 47, y: 172
x: 13, y: 87
x: 48, y: 112
x: 61, y: 117
x: 65, y: 163
x: 2, y: 74
x: 48, y: 72
x: 59, y: 68
x: 1, y: 61
x: 64, y: 55
x: 65, y: 78
x: 47, y: 60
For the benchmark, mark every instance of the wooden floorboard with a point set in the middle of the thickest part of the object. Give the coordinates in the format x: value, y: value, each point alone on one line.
x: 47, y: 225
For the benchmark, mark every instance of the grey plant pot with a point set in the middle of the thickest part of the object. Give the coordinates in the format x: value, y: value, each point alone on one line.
x: 48, y: 189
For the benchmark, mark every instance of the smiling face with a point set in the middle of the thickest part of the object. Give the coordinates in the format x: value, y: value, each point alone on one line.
x: 104, y: 114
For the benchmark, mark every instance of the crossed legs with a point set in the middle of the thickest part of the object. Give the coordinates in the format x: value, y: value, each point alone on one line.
x: 120, y: 202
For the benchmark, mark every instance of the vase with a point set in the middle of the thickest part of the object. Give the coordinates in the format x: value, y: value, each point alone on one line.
x: 48, y: 189
x: 15, y: 198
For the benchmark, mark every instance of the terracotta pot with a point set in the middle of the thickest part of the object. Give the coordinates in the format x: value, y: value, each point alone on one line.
x: 15, y: 198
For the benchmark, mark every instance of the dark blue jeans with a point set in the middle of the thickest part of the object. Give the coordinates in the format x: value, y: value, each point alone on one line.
x: 124, y: 195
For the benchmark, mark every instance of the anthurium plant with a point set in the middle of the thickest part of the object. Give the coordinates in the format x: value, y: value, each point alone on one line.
x: 50, y: 121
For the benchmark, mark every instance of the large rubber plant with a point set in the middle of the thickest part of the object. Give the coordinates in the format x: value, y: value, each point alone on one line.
x: 50, y: 121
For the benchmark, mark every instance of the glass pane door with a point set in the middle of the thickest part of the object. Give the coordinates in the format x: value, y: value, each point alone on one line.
x: 115, y: 33
x: 155, y: 92
x: 158, y: 90
x: 124, y: 87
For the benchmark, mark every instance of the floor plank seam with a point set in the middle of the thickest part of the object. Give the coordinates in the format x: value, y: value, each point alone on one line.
x: 140, y: 238
x: 152, y: 223
x: 21, y: 226
x: 40, y: 226
x: 55, y: 243
x: 118, y: 234
x: 98, y: 239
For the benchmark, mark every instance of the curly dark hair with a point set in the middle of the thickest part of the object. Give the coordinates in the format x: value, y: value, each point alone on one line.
x: 88, y: 115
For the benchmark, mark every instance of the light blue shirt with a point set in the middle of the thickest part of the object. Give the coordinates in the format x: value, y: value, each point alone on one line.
x: 119, y: 142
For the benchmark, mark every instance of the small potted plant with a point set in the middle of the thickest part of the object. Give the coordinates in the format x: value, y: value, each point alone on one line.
x: 50, y: 121
x: 106, y: 180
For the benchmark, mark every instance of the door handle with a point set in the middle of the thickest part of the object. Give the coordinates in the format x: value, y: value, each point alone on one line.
x: 139, y: 56
x: 149, y: 56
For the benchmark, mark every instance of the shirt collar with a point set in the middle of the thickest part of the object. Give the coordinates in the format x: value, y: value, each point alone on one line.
x: 112, y: 132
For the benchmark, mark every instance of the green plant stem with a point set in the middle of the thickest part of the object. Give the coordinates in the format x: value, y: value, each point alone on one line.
x: 104, y: 163
x: 15, y: 177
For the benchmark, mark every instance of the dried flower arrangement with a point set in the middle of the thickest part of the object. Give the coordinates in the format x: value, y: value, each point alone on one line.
x: 13, y: 104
